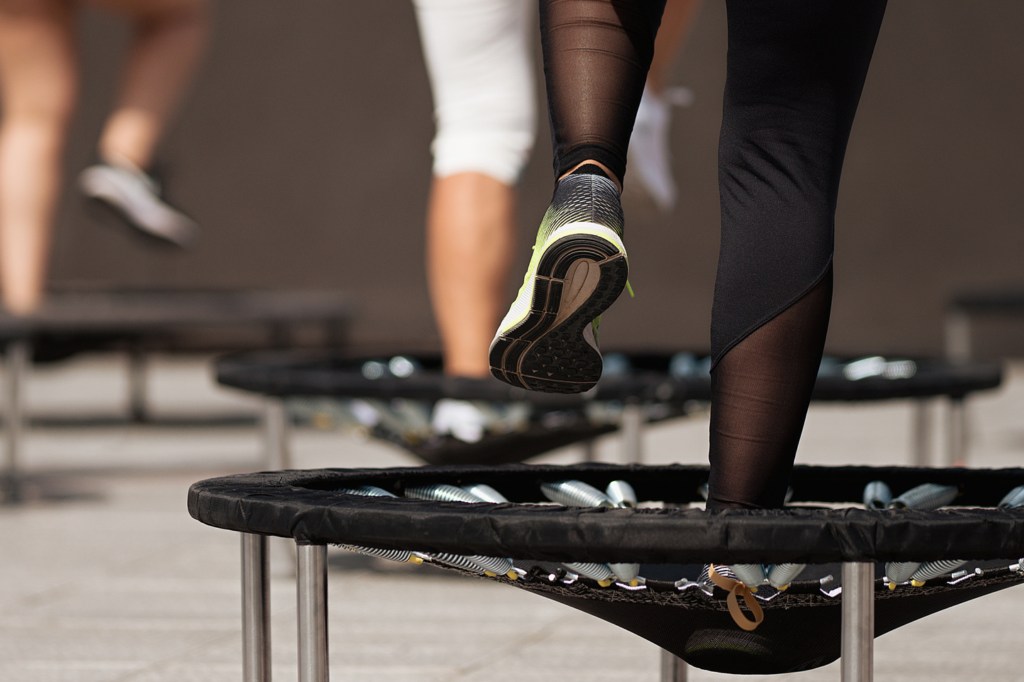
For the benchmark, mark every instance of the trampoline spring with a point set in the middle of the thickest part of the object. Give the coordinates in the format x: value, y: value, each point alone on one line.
x: 877, y: 495
x: 373, y: 370
x: 367, y: 491
x: 877, y: 366
x: 442, y: 492
x: 496, y: 565
x: 1014, y: 498
x: 934, y: 569
x: 379, y: 414
x: 621, y: 494
x: 602, y: 574
x: 626, y: 573
x: 781, y: 575
x: 750, y: 575
x: 615, y: 364
x: 485, y: 493
x: 477, y: 564
x: 900, y: 572
x: 683, y: 365
x: 575, y: 494
x: 403, y: 366
x: 399, y: 555
x: 926, y: 496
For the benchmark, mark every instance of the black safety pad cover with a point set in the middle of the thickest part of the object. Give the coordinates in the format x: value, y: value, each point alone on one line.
x: 307, y: 506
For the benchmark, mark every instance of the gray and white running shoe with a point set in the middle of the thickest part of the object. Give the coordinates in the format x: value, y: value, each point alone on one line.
x: 136, y: 198
x: 548, y: 339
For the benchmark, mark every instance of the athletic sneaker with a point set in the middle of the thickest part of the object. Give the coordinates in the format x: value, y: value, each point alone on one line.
x: 650, y: 157
x: 548, y: 339
x: 136, y: 198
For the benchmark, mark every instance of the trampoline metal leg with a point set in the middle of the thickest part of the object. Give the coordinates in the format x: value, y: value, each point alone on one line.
x: 137, y: 385
x: 958, y: 336
x: 312, y: 596
x: 589, y: 450
x: 275, y: 434
x: 957, y: 439
x: 255, y: 609
x: 673, y: 668
x: 922, y: 431
x: 19, y: 355
x: 858, y: 636
x: 632, y: 425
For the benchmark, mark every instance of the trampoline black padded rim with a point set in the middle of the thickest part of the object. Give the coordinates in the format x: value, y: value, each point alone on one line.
x: 305, y: 506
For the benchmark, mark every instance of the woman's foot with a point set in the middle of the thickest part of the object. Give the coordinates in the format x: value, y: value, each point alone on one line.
x: 548, y: 339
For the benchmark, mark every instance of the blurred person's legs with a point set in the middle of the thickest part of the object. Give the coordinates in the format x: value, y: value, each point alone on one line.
x: 596, y: 57
x: 37, y: 92
x: 796, y: 69
x: 649, y: 153
x: 479, y: 61
x: 167, y: 46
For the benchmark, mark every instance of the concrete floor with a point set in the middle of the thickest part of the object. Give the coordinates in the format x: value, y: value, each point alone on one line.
x: 104, y: 577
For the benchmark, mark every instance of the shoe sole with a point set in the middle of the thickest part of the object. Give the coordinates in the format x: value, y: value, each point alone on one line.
x: 578, y: 278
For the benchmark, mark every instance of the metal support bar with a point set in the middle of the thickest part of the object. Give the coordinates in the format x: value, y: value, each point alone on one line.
x: 588, y: 448
x: 255, y: 609
x: 673, y: 668
x: 858, y: 636
x: 958, y: 336
x: 275, y: 434
x: 921, y: 443
x: 631, y: 423
x: 312, y: 595
x: 957, y: 437
x: 18, y: 356
x: 137, y: 409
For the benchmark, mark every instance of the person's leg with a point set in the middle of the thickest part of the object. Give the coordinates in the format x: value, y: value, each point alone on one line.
x: 37, y: 93
x: 675, y: 26
x: 795, y: 73
x: 649, y: 154
x: 479, y: 62
x: 169, y: 40
x: 596, y: 56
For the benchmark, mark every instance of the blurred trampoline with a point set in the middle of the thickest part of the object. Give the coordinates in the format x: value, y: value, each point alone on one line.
x: 140, y: 321
x: 391, y: 397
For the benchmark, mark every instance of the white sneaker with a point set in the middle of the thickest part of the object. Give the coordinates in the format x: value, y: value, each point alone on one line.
x: 650, y: 158
x: 462, y: 419
x: 135, y: 196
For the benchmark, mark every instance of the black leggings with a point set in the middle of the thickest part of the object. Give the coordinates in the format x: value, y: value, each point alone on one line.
x: 795, y: 73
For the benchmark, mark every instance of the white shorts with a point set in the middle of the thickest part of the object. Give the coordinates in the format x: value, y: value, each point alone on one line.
x: 479, y: 59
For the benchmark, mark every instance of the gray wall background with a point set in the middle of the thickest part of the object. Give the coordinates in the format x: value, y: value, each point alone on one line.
x: 304, y: 152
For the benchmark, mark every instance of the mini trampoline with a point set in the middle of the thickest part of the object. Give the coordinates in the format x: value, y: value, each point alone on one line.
x: 636, y: 388
x: 142, y: 320
x: 835, y: 609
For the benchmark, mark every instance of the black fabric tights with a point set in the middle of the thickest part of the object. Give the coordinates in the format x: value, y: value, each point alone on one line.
x: 596, y: 57
x: 795, y: 72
